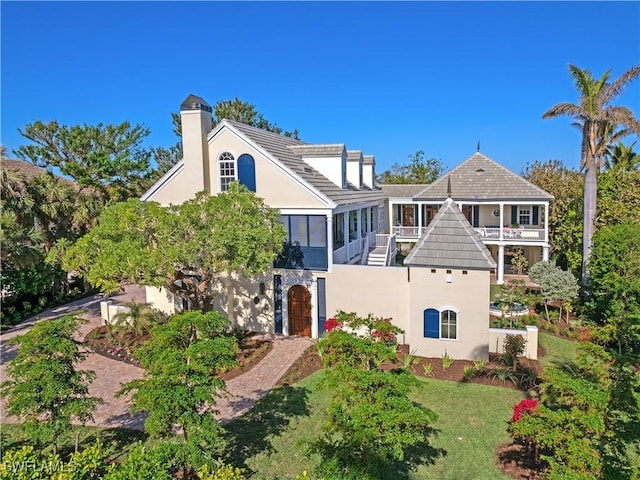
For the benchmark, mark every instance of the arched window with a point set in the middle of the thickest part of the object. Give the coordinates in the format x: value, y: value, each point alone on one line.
x: 247, y: 171
x: 440, y: 323
x: 227, y: 166
x: 449, y: 324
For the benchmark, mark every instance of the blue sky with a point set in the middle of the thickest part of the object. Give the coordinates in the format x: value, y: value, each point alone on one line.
x: 386, y: 78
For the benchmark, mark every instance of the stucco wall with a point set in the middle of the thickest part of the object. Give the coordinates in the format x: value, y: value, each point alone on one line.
x: 530, y: 334
x: 275, y: 186
x: 172, y: 192
x: 468, y: 295
x: 382, y: 291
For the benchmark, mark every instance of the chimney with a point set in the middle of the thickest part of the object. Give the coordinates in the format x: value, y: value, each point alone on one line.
x: 195, y: 116
x: 354, y: 168
x: 369, y: 171
x: 330, y: 160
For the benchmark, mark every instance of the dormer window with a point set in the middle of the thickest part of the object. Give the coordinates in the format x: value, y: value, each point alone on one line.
x: 227, y: 165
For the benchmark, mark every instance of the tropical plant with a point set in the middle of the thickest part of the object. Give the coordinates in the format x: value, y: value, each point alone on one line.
x: 513, y: 346
x: 45, y: 389
x: 427, y: 369
x: 601, y: 124
x: 181, y: 361
x: 371, y: 421
x: 468, y: 372
x: 137, y: 317
x: 447, y: 361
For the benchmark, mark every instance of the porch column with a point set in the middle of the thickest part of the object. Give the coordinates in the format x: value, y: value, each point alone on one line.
x: 500, y: 275
x: 546, y: 225
x: 329, y: 241
x: 545, y: 253
x: 391, y: 214
x: 347, y: 240
x: 420, y: 220
x: 501, y: 229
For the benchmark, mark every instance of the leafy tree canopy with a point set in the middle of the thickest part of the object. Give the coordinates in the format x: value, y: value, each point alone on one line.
x: 616, y: 284
x: 419, y: 170
x: 45, y: 388
x: 95, y: 156
x: 181, y: 248
x: 239, y: 111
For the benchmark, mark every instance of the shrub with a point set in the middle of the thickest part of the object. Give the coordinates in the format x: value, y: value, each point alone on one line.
x: 467, y: 372
x: 221, y: 472
x: 332, y: 324
x: 480, y: 366
x: 514, y: 346
x: 527, y: 406
x: 428, y: 369
x: 447, y: 361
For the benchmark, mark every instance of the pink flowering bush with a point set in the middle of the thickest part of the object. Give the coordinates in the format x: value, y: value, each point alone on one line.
x: 525, y: 406
x: 332, y: 324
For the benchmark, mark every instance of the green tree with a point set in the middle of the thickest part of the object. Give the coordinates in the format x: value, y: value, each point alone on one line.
x: 565, y: 210
x: 45, y: 389
x: 238, y: 111
x: 601, y: 124
x: 622, y: 156
x: 618, y: 196
x: 182, y: 248
x: 588, y: 423
x: 616, y: 284
x: 180, y: 386
x: 555, y: 283
x: 419, y: 170
x: 372, y: 427
x: 101, y: 157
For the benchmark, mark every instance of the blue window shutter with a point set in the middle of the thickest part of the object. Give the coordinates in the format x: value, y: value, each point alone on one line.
x: 536, y: 215
x: 476, y: 216
x: 431, y: 323
x: 247, y: 171
x: 514, y: 214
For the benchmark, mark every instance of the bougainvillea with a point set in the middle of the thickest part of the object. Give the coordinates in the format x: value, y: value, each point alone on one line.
x: 525, y: 406
x: 332, y: 324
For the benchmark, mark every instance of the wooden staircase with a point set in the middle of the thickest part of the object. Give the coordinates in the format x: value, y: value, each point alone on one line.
x: 377, y: 257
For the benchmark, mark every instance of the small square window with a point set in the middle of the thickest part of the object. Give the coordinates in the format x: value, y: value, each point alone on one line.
x: 464, y: 272
x: 433, y: 270
x: 449, y: 272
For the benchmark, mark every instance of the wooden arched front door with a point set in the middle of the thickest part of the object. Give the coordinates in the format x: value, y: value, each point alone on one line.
x: 299, y: 311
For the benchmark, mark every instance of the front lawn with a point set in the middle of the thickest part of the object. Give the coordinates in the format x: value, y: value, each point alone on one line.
x: 559, y: 351
x: 269, y: 440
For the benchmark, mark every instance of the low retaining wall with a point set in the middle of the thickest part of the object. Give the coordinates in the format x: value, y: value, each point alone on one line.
x: 108, y: 311
x: 530, y: 334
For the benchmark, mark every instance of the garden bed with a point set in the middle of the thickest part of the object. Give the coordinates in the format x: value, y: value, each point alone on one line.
x: 310, y: 362
x: 119, y: 347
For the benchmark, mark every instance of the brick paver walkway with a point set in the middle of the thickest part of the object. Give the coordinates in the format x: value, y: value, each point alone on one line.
x: 242, y: 392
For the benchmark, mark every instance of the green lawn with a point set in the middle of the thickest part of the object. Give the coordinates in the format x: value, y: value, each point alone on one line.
x: 559, y: 351
x: 269, y: 441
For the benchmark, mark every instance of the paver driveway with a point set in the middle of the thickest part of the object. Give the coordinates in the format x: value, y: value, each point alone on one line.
x: 242, y: 391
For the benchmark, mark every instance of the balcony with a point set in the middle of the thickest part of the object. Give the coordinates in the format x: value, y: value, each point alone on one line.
x: 486, y: 234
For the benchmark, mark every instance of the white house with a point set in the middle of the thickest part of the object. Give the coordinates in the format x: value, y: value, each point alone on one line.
x: 331, y: 206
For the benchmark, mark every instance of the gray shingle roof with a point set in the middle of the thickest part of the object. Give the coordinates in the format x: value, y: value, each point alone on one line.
x: 450, y: 242
x: 402, y: 190
x: 318, y: 150
x: 353, y: 155
x: 480, y: 178
x: 368, y: 160
x: 287, y: 150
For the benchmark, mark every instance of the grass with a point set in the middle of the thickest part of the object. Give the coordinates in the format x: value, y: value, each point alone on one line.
x: 270, y: 440
x: 493, y: 291
x: 559, y: 351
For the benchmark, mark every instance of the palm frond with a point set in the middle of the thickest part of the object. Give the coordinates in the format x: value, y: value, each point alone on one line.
x: 615, y: 88
x: 562, y: 109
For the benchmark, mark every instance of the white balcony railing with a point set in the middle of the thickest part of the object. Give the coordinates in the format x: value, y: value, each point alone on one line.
x: 519, y: 234
x: 355, y: 248
x: 408, y: 232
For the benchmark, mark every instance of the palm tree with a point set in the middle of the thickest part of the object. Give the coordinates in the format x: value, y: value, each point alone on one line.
x: 602, y: 124
x: 623, y: 157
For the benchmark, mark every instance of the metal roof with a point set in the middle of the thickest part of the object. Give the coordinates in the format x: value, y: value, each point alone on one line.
x: 450, y: 242
x: 289, y: 150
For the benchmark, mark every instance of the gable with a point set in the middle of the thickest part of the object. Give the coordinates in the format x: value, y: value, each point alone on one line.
x: 276, y: 184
